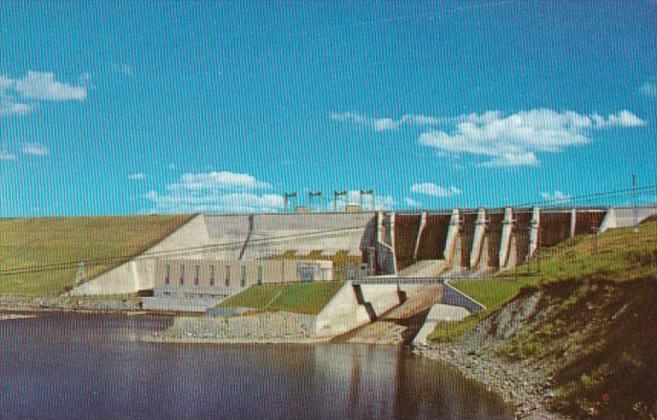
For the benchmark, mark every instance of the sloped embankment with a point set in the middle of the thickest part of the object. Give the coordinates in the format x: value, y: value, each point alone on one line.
x: 40, y: 256
x: 582, y: 348
x: 577, y: 337
x: 595, y: 340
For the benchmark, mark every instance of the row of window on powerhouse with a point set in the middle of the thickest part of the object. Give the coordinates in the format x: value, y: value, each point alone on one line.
x: 213, y: 275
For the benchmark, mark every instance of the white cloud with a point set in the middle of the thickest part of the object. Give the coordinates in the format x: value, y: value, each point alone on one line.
x: 512, y: 159
x: 515, y: 140
x: 384, y: 124
x: 34, y: 149
x: 649, y: 89
x: 217, y: 181
x: 429, y: 188
x: 383, y: 202
x: 137, y: 176
x: 195, y: 202
x: 9, y: 106
x: 506, y: 140
x: 215, y: 192
x: 555, y: 197
x: 20, y: 96
x: 6, y: 154
x: 412, y: 203
x: 621, y: 119
x: 43, y: 86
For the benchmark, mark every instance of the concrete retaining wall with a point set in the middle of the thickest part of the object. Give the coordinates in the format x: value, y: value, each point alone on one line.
x: 619, y: 217
x: 438, y: 313
x: 139, y: 274
x: 343, y: 313
x: 453, y: 296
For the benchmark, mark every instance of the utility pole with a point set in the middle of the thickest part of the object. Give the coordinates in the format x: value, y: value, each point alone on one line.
x: 636, y: 210
x: 310, y: 198
x: 287, y: 198
x: 367, y: 192
x: 80, y: 276
x: 337, y: 194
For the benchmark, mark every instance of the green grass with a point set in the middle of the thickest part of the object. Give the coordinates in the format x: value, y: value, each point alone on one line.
x: 35, y: 242
x: 618, y: 255
x: 447, y: 332
x: 491, y: 292
x: 305, y: 298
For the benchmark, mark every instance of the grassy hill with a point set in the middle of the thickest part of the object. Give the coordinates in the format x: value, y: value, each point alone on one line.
x: 31, y: 243
x: 305, y: 298
x: 587, y: 319
x: 617, y: 255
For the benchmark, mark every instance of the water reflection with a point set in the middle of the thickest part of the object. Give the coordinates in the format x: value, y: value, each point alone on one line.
x: 89, y: 366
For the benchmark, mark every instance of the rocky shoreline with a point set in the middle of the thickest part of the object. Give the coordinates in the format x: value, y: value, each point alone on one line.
x: 194, y: 340
x: 69, y: 303
x: 517, y: 384
x: 11, y: 317
x: 256, y: 328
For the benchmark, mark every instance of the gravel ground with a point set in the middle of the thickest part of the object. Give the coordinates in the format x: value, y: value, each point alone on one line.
x: 516, y: 383
x: 519, y: 383
x: 9, y: 317
x: 274, y: 327
x: 61, y: 303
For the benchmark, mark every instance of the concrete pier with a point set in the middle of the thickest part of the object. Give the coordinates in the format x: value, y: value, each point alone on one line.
x: 505, y: 242
x: 533, y: 232
x: 452, y: 242
x: 477, y: 256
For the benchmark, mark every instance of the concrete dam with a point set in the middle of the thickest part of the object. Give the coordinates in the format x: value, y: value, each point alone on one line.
x: 458, y: 242
x: 478, y: 240
x: 482, y: 240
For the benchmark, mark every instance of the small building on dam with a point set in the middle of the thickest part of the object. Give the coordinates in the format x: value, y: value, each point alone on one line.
x: 216, y: 255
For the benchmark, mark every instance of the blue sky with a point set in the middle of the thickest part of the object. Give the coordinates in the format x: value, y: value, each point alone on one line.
x: 134, y: 107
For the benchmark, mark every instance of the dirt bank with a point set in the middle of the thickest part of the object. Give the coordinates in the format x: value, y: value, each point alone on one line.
x: 580, y: 348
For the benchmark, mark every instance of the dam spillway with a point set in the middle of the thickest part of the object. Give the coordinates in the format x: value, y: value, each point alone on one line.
x: 494, y: 238
x: 406, y: 232
x: 521, y: 233
x: 587, y: 222
x: 554, y: 227
x: 433, y: 238
x: 467, y: 237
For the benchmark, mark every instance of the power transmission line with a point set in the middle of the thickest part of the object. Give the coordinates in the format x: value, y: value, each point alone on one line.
x: 178, y: 252
x: 282, y: 239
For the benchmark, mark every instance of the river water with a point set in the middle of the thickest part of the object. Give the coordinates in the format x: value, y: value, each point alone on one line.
x: 64, y: 366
